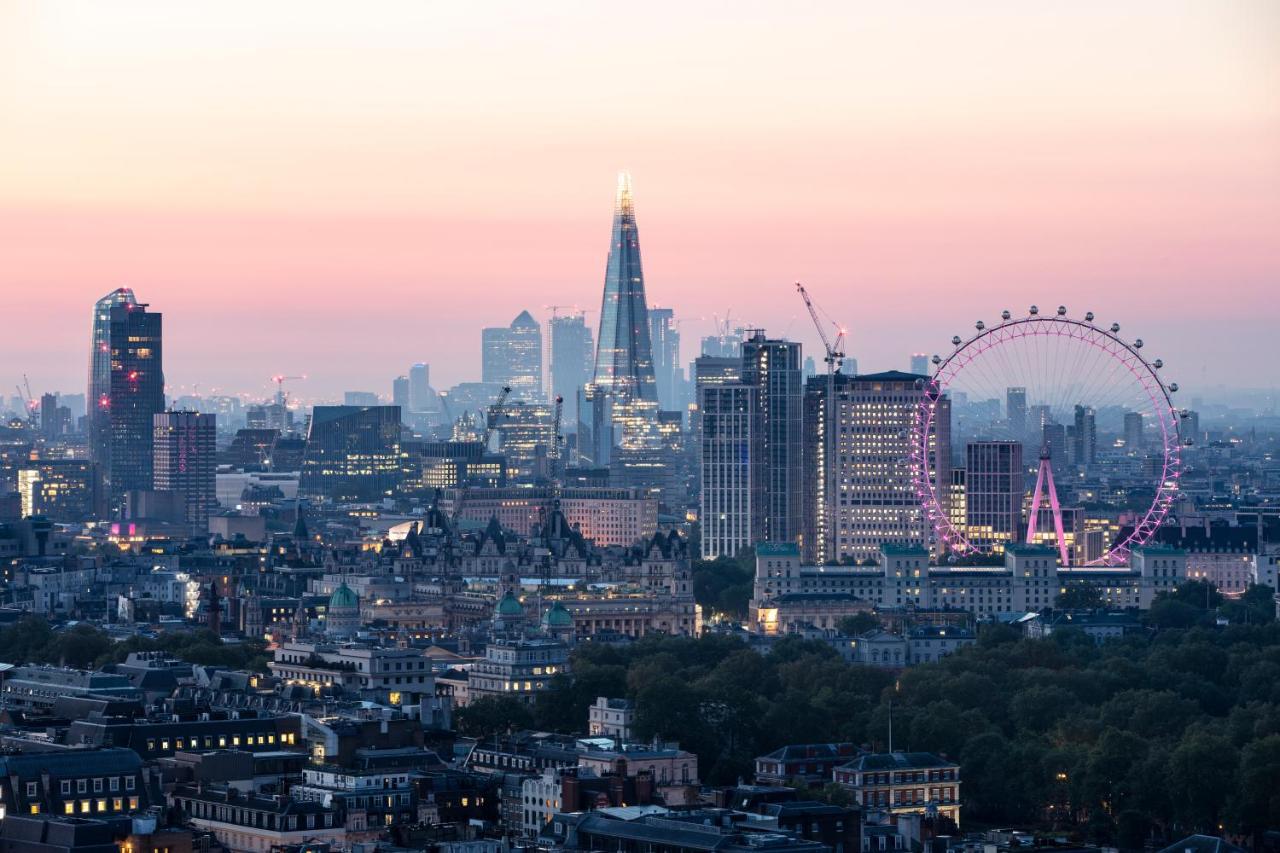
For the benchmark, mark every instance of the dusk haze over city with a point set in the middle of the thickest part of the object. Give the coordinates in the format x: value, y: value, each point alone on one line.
x: 567, y: 427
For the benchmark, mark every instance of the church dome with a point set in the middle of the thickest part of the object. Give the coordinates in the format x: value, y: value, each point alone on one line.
x: 343, y: 596
x: 510, y: 606
x: 558, y: 617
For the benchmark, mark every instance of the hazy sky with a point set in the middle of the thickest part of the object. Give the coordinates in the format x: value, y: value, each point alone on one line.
x: 340, y: 189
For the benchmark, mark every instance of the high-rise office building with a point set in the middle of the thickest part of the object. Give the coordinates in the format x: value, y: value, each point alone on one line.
x: 1084, y: 439
x: 1015, y: 412
x: 993, y: 490
x: 421, y: 397
x: 353, y: 453
x: 524, y: 437
x: 732, y: 505
x: 126, y: 390
x: 810, y: 367
x: 919, y: 364
x: 1053, y: 438
x: 359, y: 398
x: 664, y: 338
x: 1133, y: 429
x: 624, y: 353
x: 872, y: 500
x: 55, y: 419
x: 773, y: 366
x: 400, y: 393
x: 570, y: 360
x: 61, y: 490
x: 619, y: 407
x: 513, y: 357
x: 185, y: 447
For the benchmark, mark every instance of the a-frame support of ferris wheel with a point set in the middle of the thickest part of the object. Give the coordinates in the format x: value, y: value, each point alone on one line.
x: 1044, y: 482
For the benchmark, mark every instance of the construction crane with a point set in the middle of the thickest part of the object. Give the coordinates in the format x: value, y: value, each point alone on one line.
x: 834, y: 358
x: 280, y: 380
x: 553, y: 455
x: 495, y: 412
x: 28, y: 400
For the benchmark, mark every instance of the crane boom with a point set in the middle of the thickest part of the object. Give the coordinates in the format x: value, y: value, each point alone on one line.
x: 834, y: 358
x: 495, y: 412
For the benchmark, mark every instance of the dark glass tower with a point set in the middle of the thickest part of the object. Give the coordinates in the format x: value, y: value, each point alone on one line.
x: 353, y: 453
x: 97, y: 407
x: 773, y: 367
x: 624, y: 354
x: 126, y: 387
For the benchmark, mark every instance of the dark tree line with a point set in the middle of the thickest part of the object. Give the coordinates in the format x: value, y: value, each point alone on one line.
x: 1151, y: 736
x: 33, y: 640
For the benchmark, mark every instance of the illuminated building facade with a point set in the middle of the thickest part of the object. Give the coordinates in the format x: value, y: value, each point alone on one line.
x: 787, y: 591
x: 773, y: 368
x: 624, y: 356
x: 185, y: 446
x: 98, y: 402
x: 133, y: 393
x: 512, y: 356
x: 352, y: 455
x: 59, y: 489
x: 732, y: 507
x: 993, y: 494
x: 873, y: 417
x: 525, y: 436
x: 621, y: 400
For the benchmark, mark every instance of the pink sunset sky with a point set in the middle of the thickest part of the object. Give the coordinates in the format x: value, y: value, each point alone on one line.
x: 341, y: 189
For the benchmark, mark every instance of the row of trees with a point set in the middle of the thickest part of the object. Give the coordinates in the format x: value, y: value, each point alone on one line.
x: 1149, y: 736
x: 32, y: 640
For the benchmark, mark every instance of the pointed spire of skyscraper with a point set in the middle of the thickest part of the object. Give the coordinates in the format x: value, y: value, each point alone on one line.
x: 624, y: 357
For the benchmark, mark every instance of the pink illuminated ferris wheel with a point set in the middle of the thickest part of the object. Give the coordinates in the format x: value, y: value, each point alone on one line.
x: 1046, y: 418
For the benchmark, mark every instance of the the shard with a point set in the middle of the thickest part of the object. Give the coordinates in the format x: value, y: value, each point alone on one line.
x: 624, y: 353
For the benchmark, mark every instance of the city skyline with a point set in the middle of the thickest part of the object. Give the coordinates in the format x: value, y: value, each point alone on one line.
x: 1137, y: 178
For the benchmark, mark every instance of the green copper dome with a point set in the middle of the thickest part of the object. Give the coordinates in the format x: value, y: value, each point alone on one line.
x: 344, y: 596
x: 558, y: 617
x: 510, y: 606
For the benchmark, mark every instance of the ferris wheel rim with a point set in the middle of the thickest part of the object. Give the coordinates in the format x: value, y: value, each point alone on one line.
x: 939, y: 522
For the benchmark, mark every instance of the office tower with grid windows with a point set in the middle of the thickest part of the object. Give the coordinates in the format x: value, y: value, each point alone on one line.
x: 185, y: 446
x: 874, y: 502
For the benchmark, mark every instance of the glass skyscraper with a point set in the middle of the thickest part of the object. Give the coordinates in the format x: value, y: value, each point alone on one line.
x: 624, y: 354
x: 512, y: 355
x: 126, y: 390
x: 98, y: 407
x: 353, y: 453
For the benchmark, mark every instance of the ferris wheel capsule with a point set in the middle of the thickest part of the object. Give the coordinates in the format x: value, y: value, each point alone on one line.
x: 1088, y: 316
x: 979, y: 325
x: 1158, y: 363
x: 1173, y: 387
x: 956, y: 340
x: 1137, y: 344
x: 1005, y: 315
x: 1062, y: 310
x: 937, y: 359
x: 1115, y: 327
x: 1034, y: 310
